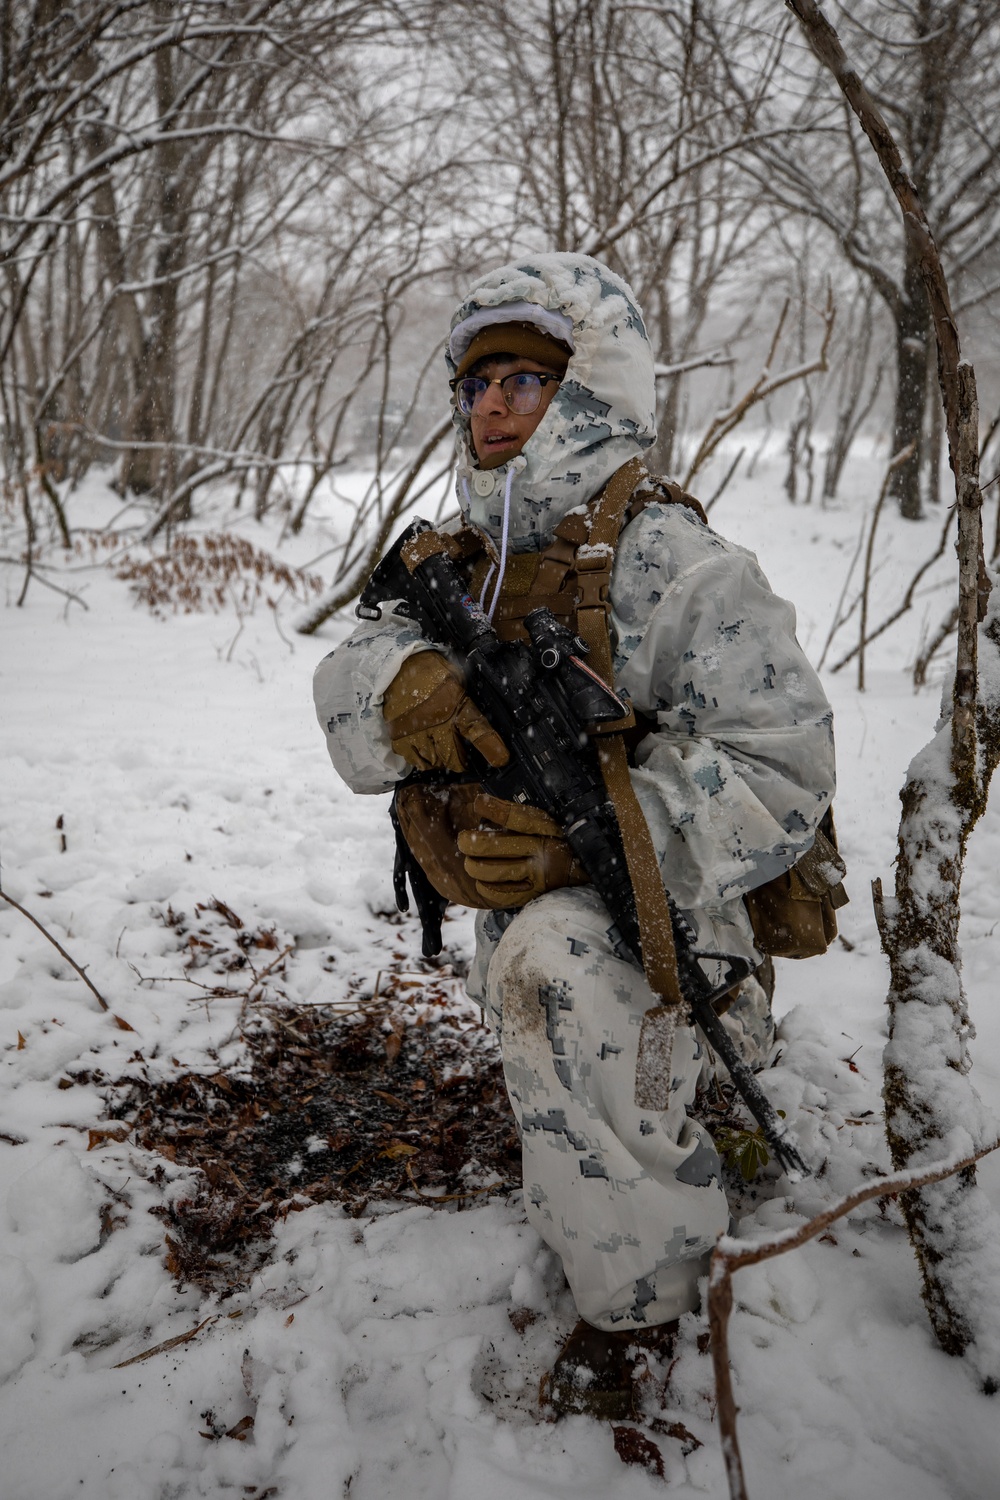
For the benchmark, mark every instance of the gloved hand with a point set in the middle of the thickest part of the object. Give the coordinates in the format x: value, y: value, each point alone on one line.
x: 523, y: 856
x: 430, y: 715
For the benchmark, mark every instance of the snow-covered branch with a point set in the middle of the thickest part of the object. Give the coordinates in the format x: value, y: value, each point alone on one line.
x: 730, y: 1255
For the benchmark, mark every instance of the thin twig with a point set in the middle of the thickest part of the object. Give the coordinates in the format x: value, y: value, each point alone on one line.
x: 908, y: 597
x: 697, y: 362
x: 435, y: 1198
x: 731, y: 1255
x: 182, y: 1338
x: 897, y: 460
x: 215, y: 991
x: 763, y: 387
x: 33, y: 566
x: 58, y: 947
x: 29, y: 528
x: 277, y: 623
x: 353, y: 576
x: 725, y: 481
x: 839, y: 617
x: 923, y: 661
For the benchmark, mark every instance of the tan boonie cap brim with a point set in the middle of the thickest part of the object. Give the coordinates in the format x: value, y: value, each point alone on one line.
x: 521, y: 339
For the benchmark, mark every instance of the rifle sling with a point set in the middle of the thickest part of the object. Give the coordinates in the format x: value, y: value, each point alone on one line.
x: 594, y: 561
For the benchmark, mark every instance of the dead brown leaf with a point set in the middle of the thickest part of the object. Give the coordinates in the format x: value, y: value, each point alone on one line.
x: 397, y: 1149
x: 98, y: 1137
x: 390, y: 1099
x: 633, y: 1447
x: 679, y: 1432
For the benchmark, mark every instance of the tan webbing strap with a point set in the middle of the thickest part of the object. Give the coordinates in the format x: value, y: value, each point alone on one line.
x: 655, y: 929
x: 594, y: 560
x: 612, y: 503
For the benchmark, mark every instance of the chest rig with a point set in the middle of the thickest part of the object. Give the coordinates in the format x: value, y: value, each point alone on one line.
x: 571, y: 576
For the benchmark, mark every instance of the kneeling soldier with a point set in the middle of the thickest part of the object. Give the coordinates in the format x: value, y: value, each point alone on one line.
x: 730, y: 760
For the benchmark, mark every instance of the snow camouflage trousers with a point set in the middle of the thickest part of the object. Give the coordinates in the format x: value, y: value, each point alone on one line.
x: 630, y: 1200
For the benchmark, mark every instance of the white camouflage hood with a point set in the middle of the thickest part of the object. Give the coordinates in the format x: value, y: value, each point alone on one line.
x: 602, y: 414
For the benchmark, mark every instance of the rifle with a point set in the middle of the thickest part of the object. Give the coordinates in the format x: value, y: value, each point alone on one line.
x: 543, y: 701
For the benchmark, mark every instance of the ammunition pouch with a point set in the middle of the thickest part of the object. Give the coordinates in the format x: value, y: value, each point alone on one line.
x: 794, y: 915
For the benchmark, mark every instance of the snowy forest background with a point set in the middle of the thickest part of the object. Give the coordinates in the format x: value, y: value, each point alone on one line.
x: 231, y: 237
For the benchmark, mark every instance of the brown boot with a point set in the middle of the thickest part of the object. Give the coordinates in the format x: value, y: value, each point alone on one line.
x: 593, y: 1373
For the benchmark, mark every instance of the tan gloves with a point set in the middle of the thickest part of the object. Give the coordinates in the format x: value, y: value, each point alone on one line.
x: 431, y: 718
x: 522, y: 857
x: 430, y: 714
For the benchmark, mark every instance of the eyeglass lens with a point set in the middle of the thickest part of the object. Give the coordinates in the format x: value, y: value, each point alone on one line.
x: 522, y: 391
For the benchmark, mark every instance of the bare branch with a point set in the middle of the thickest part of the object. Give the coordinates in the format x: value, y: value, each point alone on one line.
x: 893, y: 464
x: 764, y: 386
x: 58, y: 947
x: 348, y: 588
x: 731, y: 1255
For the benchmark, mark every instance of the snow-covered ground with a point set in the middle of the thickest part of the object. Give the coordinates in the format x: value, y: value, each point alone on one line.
x: 377, y: 1356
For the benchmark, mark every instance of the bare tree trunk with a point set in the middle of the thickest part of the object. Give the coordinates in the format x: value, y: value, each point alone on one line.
x: 928, y: 1097
x: 152, y: 467
x: 913, y: 334
x: 850, y: 412
x: 935, y: 436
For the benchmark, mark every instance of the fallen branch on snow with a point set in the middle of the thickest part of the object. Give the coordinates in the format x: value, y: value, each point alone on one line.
x: 731, y: 1255
x: 59, y: 949
x: 174, y: 1343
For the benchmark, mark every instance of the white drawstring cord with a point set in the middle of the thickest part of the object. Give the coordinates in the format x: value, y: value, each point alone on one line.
x: 503, y: 544
x: 486, y: 585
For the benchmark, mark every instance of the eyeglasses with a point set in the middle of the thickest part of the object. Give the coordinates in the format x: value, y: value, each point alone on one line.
x: 522, y: 390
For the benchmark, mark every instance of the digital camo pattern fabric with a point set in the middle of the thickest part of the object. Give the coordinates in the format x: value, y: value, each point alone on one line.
x: 630, y: 1199
x: 741, y: 769
x: 602, y: 415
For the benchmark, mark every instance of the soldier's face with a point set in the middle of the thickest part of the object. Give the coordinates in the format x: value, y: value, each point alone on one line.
x: 498, y: 433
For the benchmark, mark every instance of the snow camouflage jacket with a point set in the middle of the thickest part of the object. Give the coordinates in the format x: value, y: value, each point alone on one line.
x: 740, y: 771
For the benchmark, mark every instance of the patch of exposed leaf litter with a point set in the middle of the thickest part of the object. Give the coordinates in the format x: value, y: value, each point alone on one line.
x: 400, y: 1099
x: 393, y: 1093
